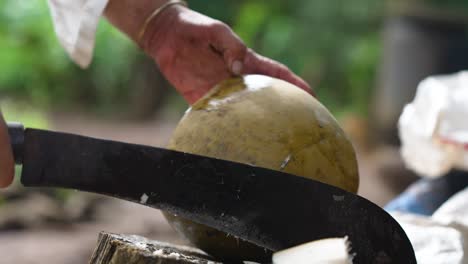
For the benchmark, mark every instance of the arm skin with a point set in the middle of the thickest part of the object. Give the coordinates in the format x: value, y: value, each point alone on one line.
x: 193, y: 51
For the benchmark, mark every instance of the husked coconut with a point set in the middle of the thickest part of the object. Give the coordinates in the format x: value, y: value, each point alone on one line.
x: 268, y: 123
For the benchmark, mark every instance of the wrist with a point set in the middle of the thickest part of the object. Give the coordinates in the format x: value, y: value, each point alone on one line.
x: 158, y: 27
x: 129, y: 15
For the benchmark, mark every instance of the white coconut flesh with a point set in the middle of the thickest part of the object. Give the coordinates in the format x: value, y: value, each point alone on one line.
x: 330, y: 251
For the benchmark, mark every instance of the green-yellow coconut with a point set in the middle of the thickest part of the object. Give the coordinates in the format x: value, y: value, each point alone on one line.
x: 268, y: 123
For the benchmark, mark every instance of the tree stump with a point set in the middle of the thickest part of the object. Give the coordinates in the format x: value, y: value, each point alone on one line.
x: 132, y: 249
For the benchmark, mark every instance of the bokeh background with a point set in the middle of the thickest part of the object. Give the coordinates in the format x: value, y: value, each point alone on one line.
x: 364, y: 58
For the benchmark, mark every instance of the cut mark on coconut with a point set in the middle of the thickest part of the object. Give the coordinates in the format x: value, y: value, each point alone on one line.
x: 285, y: 162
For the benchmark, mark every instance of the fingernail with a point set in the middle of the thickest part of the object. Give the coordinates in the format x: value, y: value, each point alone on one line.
x: 236, y: 67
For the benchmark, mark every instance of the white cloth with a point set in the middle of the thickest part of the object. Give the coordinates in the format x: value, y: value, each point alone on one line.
x: 75, y: 23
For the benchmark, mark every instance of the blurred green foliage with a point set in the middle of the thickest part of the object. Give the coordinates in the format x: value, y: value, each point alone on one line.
x: 35, y: 67
x: 29, y: 116
x: 450, y: 4
x: 333, y: 45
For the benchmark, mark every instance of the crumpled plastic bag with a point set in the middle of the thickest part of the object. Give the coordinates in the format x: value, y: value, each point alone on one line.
x: 434, y: 127
x: 443, y: 237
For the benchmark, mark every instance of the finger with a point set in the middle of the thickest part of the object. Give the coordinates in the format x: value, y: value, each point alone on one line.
x: 6, y: 157
x: 257, y: 64
x: 227, y: 43
x: 194, y: 95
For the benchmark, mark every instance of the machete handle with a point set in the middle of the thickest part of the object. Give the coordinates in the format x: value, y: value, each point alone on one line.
x: 16, y: 132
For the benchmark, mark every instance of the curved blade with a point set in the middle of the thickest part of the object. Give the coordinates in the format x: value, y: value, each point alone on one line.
x: 269, y: 208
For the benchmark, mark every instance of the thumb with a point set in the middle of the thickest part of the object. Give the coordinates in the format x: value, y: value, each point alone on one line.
x: 230, y: 46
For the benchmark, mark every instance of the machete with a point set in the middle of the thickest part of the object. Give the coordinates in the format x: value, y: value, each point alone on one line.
x: 272, y: 209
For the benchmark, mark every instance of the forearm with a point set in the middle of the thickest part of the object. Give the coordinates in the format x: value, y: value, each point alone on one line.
x: 193, y: 51
x: 130, y: 15
x: 6, y: 157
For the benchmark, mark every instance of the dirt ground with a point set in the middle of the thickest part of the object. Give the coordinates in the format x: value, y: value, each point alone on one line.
x: 381, y: 170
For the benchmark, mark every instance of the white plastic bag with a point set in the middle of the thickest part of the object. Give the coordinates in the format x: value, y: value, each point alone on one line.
x: 434, y: 127
x: 443, y: 237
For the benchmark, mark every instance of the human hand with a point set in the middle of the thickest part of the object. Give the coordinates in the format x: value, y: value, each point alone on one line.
x: 196, y: 52
x: 7, y: 165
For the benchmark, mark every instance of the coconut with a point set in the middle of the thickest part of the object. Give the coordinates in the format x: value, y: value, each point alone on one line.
x: 265, y: 122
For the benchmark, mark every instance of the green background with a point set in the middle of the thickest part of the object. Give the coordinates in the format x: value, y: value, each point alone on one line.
x: 333, y: 45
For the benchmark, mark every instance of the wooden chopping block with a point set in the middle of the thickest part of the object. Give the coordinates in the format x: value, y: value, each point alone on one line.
x: 132, y: 249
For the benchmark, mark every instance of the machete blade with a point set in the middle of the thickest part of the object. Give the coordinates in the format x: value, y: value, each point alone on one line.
x: 272, y: 209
